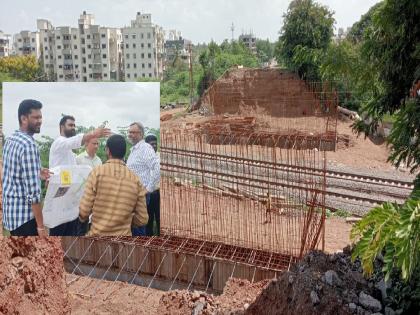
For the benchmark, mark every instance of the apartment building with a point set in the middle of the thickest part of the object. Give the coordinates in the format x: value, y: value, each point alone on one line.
x: 26, y: 43
x: 176, y: 47
x: 143, y: 49
x: 250, y: 41
x: 86, y: 53
x: 6, y: 44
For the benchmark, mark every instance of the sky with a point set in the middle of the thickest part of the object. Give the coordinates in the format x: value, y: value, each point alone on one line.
x: 199, y: 21
x: 91, y: 103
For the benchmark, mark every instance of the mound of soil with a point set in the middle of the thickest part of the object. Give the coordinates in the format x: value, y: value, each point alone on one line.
x: 32, y: 276
x: 319, y: 284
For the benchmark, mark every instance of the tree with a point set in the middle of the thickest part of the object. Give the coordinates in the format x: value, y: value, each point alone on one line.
x: 215, y: 60
x: 308, y: 25
x: 392, y: 47
x: 265, y: 50
x: 357, y: 31
x: 24, y: 68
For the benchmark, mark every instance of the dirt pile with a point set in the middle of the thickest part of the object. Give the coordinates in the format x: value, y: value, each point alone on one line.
x: 237, y: 295
x: 321, y: 284
x: 32, y: 276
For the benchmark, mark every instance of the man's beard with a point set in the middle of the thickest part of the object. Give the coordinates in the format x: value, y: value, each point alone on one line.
x: 69, y: 133
x: 34, y: 128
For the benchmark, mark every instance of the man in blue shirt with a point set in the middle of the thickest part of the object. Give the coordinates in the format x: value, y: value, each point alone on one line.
x: 22, y: 210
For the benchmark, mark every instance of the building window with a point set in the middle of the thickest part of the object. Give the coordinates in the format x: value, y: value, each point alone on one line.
x: 150, y: 75
x: 143, y: 75
x: 128, y: 75
x: 133, y: 36
x: 142, y: 45
x: 142, y: 35
x: 60, y: 67
x: 75, y: 46
x: 58, y: 37
x: 126, y: 36
x: 74, y: 36
x: 46, y: 56
x: 76, y: 56
x: 59, y: 56
x: 148, y: 35
x: 88, y: 36
x: 104, y: 65
x: 76, y: 66
x: 103, y: 35
x: 142, y: 65
x: 103, y: 46
x: 134, y: 65
x: 104, y: 56
x: 127, y: 56
x: 149, y: 55
x: 90, y: 75
x: 45, y: 39
x: 84, y: 60
x: 105, y: 75
x: 134, y: 56
x: 149, y: 45
x: 83, y: 51
x: 58, y: 47
x: 135, y: 75
x: 83, y: 41
x: 126, y: 45
x: 46, y: 48
x: 89, y: 46
x: 142, y: 55
x: 90, y: 66
x: 60, y: 76
x: 150, y: 65
x: 89, y: 56
x: 128, y: 66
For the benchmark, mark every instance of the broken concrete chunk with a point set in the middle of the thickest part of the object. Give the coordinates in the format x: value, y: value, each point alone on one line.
x: 369, y: 302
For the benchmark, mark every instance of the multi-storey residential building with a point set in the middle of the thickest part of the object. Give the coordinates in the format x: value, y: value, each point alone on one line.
x: 5, y: 44
x: 143, y: 49
x: 86, y: 53
x: 26, y: 43
x: 250, y: 41
x: 176, y: 46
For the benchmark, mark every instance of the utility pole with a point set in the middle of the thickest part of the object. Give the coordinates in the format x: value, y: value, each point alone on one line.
x: 191, y: 76
x: 232, y: 29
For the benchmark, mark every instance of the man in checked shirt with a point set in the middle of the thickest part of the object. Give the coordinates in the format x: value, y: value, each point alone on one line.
x: 22, y: 174
x: 144, y: 163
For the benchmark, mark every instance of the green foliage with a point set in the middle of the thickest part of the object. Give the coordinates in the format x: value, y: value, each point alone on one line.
x: 404, y: 137
x: 393, y: 230
x: 265, y: 50
x: 307, y: 26
x: 24, y: 68
x: 357, y: 31
x: 215, y: 60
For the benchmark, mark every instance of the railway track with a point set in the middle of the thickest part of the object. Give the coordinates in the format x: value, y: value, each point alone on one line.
x: 348, y: 189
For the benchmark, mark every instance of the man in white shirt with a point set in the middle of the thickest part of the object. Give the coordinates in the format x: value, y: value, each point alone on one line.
x: 89, y: 157
x: 61, y: 154
x: 143, y: 162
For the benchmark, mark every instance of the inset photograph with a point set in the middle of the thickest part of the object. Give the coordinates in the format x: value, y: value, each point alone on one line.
x: 81, y: 159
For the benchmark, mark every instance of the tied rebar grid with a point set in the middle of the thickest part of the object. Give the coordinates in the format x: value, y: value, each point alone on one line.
x: 91, y: 252
x: 227, y: 188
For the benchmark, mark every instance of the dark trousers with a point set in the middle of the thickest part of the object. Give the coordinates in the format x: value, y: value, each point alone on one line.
x: 66, y: 229
x: 26, y: 229
x: 153, y: 210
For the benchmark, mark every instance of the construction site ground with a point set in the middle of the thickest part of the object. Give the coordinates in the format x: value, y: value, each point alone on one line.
x: 361, y: 153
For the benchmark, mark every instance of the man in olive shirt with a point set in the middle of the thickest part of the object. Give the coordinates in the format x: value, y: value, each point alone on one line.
x: 114, y: 194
